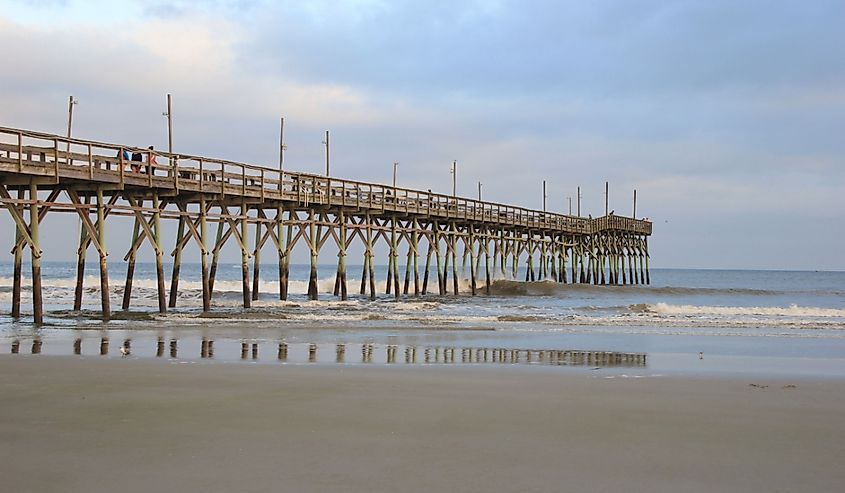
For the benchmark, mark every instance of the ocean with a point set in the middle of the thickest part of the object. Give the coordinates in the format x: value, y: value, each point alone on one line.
x: 686, y: 321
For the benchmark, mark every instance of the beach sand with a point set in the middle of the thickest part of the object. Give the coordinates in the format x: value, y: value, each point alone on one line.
x: 85, y: 424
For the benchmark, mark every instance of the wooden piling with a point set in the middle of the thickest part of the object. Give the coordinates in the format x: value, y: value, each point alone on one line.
x: 35, y: 254
x: 256, y: 262
x: 472, y: 265
x: 162, y: 303
x: 244, y: 255
x: 453, y: 242
x: 18, y: 268
x: 427, y: 266
x: 286, y: 267
x: 206, y: 280
x: 416, y: 259
x: 280, y: 228
x: 104, y: 270
x: 80, y: 265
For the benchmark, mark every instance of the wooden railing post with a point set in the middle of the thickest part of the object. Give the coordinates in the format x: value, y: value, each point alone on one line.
x: 20, y: 151
x: 56, y: 159
x: 122, y: 166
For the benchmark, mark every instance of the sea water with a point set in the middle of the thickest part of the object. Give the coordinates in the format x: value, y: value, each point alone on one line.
x: 729, y: 321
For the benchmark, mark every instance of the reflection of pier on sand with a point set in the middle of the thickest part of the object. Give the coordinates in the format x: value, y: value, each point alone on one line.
x: 370, y: 353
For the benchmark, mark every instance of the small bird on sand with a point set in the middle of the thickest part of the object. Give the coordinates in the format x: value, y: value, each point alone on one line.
x: 701, y: 355
x: 124, y: 351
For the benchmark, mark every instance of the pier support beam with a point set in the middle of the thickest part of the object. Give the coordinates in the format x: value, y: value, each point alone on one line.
x: 104, y: 270
x: 206, y: 280
x: 244, y: 223
x: 312, y: 245
x: 37, y: 301
x: 256, y: 261
x: 177, y: 263
x: 130, y: 267
x: 80, y: 264
x: 18, y: 268
x: 280, y: 232
x: 157, y: 206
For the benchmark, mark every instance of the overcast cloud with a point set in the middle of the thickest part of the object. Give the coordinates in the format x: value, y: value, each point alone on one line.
x: 727, y: 116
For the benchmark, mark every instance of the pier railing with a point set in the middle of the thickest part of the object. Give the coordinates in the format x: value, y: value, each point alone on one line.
x: 69, y: 159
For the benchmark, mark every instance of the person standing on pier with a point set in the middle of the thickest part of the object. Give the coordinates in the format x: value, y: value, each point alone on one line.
x: 151, y: 160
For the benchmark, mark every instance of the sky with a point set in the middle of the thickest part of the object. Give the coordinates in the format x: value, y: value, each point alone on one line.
x: 728, y: 117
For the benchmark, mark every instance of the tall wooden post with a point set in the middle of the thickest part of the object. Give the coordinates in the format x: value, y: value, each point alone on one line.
x: 35, y: 253
x: 634, y: 213
x: 104, y: 271
x: 170, y: 131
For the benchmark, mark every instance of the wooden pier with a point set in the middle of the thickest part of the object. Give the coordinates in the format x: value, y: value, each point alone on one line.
x: 251, y: 205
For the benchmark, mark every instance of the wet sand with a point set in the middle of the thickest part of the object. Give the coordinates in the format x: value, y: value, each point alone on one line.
x: 86, y: 424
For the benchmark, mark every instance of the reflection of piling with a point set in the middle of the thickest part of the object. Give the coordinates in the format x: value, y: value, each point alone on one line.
x: 77, y: 346
x: 254, y: 350
x: 312, y: 353
x: 36, y: 346
x: 173, y: 348
x: 160, y: 347
x: 427, y: 355
x: 283, y: 351
x: 244, y: 350
x: 16, y: 347
x: 104, y: 346
x: 366, y: 353
x: 340, y: 352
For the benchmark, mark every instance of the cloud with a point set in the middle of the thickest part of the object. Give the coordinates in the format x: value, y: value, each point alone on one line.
x: 717, y: 112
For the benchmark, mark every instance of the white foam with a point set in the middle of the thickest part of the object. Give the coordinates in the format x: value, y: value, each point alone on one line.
x: 728, y: 311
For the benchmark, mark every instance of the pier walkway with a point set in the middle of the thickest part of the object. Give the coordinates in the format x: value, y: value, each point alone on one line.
x: 42, y: 173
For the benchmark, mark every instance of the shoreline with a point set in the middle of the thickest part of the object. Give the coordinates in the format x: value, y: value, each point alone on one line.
x: 90, y: 424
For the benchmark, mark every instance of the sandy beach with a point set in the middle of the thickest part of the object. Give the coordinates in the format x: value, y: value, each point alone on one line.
x: 83, y: 424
